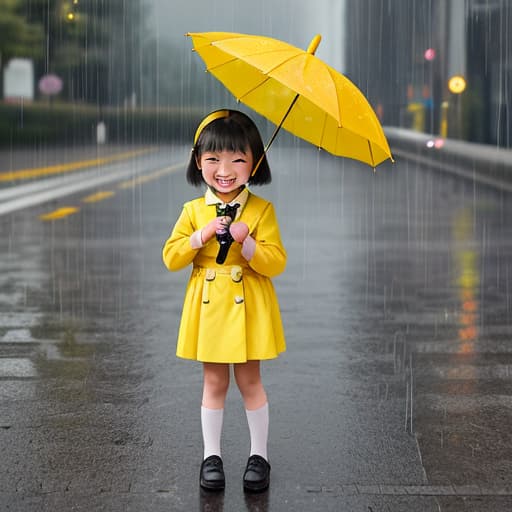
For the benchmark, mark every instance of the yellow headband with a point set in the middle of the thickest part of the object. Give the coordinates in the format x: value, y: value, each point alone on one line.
x: 218, y: 114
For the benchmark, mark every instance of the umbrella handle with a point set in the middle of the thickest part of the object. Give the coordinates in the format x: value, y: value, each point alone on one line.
x: 274, y: 135
x: 311, y: 50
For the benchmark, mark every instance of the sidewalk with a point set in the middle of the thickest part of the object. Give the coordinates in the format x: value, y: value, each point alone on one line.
x: 481, y: 163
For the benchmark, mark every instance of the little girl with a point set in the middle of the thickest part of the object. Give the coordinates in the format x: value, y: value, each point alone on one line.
x: 230, y: 312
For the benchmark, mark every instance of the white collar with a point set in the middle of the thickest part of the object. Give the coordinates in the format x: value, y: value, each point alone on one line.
x: 241, y: 198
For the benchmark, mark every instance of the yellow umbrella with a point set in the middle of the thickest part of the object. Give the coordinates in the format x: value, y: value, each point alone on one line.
x: 297, y: 91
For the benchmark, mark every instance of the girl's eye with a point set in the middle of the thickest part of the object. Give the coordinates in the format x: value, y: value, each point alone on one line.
x: 240, y: 161
x: 211, y: 159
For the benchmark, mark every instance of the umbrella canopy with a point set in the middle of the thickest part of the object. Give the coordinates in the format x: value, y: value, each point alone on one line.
x: 297, y: 91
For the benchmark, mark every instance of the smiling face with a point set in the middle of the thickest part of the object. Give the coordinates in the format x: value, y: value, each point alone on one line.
x: 232, y: 132
x: 226, y: 171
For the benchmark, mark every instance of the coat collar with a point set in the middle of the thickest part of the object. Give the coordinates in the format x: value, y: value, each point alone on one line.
x: 241, y: 198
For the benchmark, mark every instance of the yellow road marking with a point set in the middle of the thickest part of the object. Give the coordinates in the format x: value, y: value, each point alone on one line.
x: 59, y: 213
x: 24, y: 174
x: 99, y: 196
x: 149, y: 177
x: 135, y: 181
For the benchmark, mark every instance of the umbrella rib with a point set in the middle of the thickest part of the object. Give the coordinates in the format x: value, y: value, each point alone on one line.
x: 371, y: 153
x: 266, y: 74
x: 340, y: 124
x: 282, y: 62
x: 246, y: 93
x: 222, y: 64
x: 234, y: 59
x: 213, y: 68
x: 323, y: 127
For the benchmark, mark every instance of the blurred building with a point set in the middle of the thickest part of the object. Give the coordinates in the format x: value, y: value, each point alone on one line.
x: 489, y: 67
x: 402, y: 54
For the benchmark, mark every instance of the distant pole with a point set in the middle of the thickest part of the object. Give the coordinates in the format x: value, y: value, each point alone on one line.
x: 443, y: 131
x: 101, y: 133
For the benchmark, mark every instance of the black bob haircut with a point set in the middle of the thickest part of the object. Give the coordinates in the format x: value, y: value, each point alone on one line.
x: 235, y: 132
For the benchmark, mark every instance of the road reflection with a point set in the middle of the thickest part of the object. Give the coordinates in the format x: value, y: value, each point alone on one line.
x: 467, y: 280
x: 211, y: 501
x: 214, y: 501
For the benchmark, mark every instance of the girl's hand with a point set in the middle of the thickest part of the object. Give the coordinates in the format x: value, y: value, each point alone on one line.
x: 239, y: 231
x: 217, y: 224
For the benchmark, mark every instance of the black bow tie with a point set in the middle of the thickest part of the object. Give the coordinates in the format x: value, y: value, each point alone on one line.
x: 224, y: 237
x: 227, y: 210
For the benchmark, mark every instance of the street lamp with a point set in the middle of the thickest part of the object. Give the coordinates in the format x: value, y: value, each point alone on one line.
x: 457, y: 84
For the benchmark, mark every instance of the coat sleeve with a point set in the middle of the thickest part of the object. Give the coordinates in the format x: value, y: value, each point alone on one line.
x: 177, y: 252
x: 269, y: 257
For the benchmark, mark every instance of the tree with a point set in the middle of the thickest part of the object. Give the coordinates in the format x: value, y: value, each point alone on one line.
x: 93, y: 45
x: 18, y: 38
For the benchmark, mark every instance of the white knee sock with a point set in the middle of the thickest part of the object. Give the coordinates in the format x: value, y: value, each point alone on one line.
x: 258, y: 420
x: 211, y: 424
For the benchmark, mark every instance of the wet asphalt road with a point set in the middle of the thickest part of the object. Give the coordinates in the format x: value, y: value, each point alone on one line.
x: 394, y: 394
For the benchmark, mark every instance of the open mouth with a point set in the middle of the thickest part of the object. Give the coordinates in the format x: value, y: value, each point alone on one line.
x: 225, y: 183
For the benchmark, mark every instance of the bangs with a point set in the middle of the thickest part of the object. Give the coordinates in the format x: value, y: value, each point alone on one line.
x: 236, y: 132
x: 223, y: 135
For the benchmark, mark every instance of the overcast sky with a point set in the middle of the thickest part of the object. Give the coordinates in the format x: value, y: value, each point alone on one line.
x: 290, y: 20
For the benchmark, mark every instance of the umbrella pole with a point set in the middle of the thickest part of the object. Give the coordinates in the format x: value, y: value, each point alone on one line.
x: 274, y: 135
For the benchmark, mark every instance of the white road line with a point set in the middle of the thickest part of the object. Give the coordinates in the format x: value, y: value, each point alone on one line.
x: 48, y: 183
x: 46, y: 190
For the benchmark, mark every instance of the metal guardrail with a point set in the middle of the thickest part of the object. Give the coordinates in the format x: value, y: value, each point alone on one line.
x: 479, y: 162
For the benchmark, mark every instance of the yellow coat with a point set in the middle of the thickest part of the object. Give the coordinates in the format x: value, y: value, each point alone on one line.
x: 226, y: 319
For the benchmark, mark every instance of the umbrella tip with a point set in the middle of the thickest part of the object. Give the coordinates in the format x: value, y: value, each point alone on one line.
x: 314, y: 44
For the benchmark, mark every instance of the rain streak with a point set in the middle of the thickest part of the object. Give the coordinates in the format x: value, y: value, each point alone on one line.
x: 389, y: 139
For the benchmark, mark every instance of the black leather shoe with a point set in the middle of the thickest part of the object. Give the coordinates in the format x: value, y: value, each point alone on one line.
x: 257, y: 474
x: 212, y: 474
